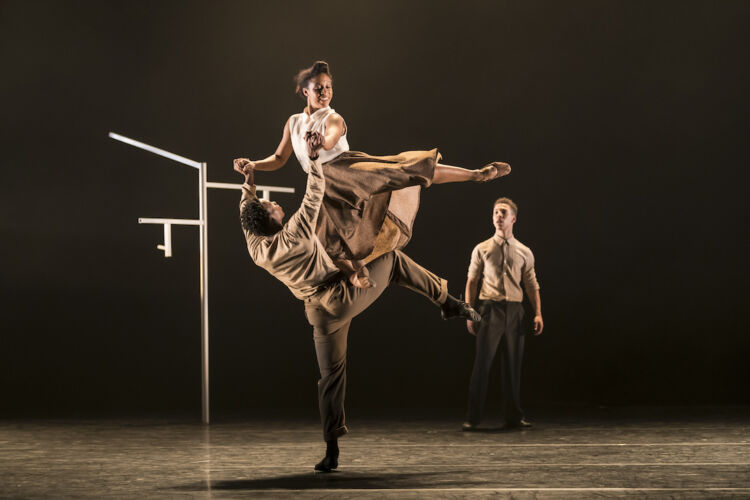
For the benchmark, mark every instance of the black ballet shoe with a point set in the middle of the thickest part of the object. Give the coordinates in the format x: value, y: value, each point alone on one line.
x: 454, y: 308
x: 328, y: 464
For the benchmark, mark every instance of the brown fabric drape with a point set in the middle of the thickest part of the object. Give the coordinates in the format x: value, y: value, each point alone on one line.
x: 370, y: 202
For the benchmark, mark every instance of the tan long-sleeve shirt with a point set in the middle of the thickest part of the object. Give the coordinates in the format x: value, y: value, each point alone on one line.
x: 294, y: 255
x: 503, y: 274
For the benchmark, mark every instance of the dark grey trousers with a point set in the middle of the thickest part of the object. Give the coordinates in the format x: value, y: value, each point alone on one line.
x: 500, y: 328
x: 330, y: 313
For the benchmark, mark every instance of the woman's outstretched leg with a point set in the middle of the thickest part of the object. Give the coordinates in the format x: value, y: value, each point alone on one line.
x: 449, y: 173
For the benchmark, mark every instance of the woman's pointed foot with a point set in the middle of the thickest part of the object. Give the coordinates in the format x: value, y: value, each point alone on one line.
x: 493, y: 171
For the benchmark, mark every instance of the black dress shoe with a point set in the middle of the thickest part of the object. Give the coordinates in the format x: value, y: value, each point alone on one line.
x: 469, y: 427
x: 520, y: 424
x: 327, y: 464
x: 455, y: 308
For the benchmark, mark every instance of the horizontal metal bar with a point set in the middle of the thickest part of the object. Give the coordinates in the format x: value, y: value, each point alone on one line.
x: 181, y: 222
x: 227, y: 185
x: 155, y: 150
x: 223, y: 185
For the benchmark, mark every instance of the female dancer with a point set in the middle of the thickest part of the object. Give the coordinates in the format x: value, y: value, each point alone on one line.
x: 360, y: 218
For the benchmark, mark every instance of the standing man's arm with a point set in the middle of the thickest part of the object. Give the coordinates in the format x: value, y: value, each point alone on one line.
x: 476, y: 268
x: 536, y: 304
x: 531, y: 285
x: 472, y: 291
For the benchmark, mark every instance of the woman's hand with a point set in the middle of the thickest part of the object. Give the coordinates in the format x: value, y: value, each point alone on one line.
x: 246, y: 168
x: 242, y: 165
x: 314, y: 143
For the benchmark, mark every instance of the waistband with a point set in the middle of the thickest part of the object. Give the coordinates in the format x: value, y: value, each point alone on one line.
x: 498, y: 302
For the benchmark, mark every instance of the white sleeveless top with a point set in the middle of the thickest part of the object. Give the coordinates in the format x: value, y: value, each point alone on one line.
x: 301, y: 123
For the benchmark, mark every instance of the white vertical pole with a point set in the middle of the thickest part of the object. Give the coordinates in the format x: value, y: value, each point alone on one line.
x: 167, y: 246
x: 202, y: 221
x: 203, y: 209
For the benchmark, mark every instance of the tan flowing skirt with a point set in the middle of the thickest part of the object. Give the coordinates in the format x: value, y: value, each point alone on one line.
x: 371, y: 202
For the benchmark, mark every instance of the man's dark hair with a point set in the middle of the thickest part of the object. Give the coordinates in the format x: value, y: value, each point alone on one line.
x: 255, y: 219
x: 508, y: 202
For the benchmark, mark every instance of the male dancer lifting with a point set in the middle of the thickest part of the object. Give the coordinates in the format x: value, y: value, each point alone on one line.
x: 293, y: 254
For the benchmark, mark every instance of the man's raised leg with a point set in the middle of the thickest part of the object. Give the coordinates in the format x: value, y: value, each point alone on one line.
x: 400, y: 269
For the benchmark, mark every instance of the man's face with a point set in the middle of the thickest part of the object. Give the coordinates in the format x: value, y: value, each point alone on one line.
x: 503, y: 217
x: 275, y: 212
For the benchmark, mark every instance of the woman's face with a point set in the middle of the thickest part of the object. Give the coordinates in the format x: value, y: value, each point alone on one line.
x: 319, y: 91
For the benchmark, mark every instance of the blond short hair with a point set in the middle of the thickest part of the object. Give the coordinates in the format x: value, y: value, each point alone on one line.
x: 508, y: 202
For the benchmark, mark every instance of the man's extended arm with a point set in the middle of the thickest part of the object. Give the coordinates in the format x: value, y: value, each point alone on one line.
x: 305, y: 219
x: 248, y: 188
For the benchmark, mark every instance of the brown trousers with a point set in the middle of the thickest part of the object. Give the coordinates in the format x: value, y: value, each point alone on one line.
x: 330, y: 313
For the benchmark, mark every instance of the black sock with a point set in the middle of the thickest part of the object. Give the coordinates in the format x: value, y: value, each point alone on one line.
x: 450, y: 304
x: 332, y: 448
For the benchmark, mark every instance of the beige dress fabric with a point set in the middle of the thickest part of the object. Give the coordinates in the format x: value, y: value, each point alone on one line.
x: 370, y: 202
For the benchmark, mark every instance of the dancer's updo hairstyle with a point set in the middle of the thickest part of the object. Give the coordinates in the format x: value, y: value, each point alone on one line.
x: 303, y: 77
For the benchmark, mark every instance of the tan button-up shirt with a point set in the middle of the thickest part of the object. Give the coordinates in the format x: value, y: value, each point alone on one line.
x: 503, y: 265
x: 294, y: 255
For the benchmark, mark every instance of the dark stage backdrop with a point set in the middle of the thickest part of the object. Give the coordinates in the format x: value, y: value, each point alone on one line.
x: 625, y: 123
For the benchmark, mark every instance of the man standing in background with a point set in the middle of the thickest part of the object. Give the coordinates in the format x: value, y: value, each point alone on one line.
x: 500, y: 264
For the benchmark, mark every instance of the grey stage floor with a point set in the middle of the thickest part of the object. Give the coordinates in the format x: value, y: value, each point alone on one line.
x: 652, y: 454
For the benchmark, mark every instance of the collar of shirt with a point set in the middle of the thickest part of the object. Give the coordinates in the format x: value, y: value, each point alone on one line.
x: 318, y: 112
x: 500, y: 240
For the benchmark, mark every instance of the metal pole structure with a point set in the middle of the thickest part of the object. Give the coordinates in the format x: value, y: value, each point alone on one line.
x: 203, y: 208
x: 202, y: 222
x: 265, y: 190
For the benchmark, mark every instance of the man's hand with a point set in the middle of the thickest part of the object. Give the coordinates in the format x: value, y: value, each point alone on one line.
x: 314, y: 143
x: 472, y: 326
x: 241, y: 165
x: 538, y: 324
x: 246, y: 168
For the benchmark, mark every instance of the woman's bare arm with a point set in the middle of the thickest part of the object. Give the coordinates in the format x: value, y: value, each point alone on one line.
x: 280, y: 157
x: 335, y: 128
